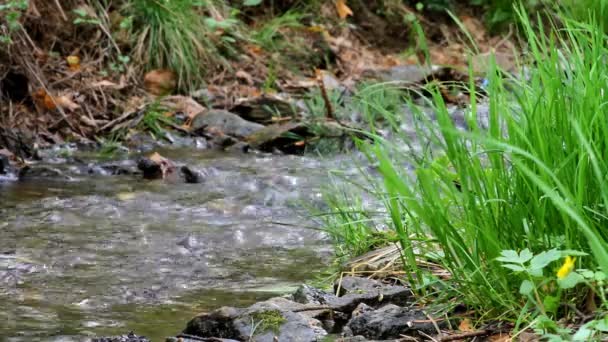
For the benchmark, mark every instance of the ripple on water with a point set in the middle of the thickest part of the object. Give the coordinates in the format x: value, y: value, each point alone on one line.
x: 94, y: 254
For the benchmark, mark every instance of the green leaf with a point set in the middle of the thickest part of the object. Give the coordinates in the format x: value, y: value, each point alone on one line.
x: 543, y: 259
x: 526, y: 287
x: 551, y: 303
x: 80, y: 12
x: 251, y: 2
x: 572, y: 253
x: 513, y: 267
x: 585, y: 332
x: 512, y: 256
x: 570, y: 281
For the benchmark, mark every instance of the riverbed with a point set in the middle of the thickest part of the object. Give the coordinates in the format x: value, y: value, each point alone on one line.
x: 97, y: 254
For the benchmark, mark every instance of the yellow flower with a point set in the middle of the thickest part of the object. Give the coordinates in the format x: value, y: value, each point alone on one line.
x: 566, y: 268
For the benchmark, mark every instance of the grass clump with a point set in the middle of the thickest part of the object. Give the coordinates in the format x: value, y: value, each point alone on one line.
x: 270, y: 320
x: 515, y: 206
x: 189, y: 37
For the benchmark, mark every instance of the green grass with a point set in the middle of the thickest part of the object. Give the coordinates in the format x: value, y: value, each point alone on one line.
x: 183, y: 36
x: 535, y: 178
x: 271, y: 34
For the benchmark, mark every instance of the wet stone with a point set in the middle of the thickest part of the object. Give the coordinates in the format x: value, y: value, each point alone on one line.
x: 4, y: 164
x: 191, y: 175
x: 354, y: 291
x: 309, y: 295
x: 389, y: 321
x: 218, y: 122
x: 41, y: 172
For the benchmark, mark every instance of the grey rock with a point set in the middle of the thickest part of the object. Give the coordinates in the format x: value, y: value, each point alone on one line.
x: 225, y: 122
x: 402, y: 73
x: 390, y: 321
x: 241, y: 324
x: 191, y: 175
x: 309, y: 295
x: 263, y: 108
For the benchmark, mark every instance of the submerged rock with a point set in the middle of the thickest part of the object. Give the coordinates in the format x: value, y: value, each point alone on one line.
x: 130, y: 337
x: 41, y: 172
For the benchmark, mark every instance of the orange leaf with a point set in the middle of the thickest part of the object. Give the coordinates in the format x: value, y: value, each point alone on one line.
x: 343, y: 10
x: 156, y: 157
x: 465, y: 325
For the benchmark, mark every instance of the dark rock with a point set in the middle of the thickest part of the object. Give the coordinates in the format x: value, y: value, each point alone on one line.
x: 355, y: 290
x: 218, y: 323
x: 390, y: 321
x: 14, y: 87
x: 150, y: 168
x: 240, y: 147
x: 191, y: 176
x: 218, y: 122
x: 131, y: 337
x: 190, y: 338
x: 113, y: 169
x: 4, y: 164
x: 41, y: 172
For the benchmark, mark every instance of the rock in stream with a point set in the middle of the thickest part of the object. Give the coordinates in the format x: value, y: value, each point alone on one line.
x: 364, y: 310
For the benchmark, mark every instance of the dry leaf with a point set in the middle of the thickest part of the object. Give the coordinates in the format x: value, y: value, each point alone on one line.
x: 65, y: 102
x: 465, y: 325
x: 184, y: 104
x: 160, y: 82
x: 73, y: 63
x: 156, y: 157
x: 243, y: 75
x: 342, y: 9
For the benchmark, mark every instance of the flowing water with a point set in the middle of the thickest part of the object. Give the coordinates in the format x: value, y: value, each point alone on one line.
x: 104, y: 255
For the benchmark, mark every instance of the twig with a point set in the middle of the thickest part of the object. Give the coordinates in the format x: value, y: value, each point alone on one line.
x: 465, y: 335
x: 434, y: 323
x: 61, y: 10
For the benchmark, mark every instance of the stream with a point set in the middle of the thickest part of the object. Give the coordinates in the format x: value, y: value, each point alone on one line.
x: 101, y: 255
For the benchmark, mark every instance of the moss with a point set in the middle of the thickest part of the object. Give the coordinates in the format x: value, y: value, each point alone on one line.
x: 268, y: 320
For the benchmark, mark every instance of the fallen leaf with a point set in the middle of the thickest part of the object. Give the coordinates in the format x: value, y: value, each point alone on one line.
x: 73, y: 63
x: 465, y: 325
x: 243, y: 75
x: 160, y: 82
x: 156, y: 157
x: 342, y: 9
x: 109, y: 84
x: 184, y: 104
x: 65, y: 102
